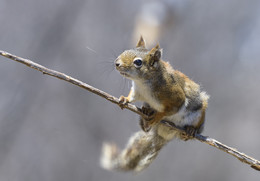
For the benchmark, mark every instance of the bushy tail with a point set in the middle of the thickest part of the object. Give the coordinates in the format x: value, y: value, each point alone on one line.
x: 141, y: 150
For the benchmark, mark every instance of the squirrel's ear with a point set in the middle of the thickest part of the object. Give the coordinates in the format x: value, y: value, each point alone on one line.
x: 155, y: 54
x: 141, y: 43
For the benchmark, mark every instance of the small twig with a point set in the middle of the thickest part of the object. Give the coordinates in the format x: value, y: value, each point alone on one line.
x: 210, y: 141
x: 70, y: 79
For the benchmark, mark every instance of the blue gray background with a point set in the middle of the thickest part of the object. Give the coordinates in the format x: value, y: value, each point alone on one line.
x: 51, y: 130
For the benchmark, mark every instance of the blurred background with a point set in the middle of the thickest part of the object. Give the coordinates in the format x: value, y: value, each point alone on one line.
x: 51, y: 130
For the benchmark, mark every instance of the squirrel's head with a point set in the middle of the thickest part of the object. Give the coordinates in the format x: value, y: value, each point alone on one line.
x: 139, y: 63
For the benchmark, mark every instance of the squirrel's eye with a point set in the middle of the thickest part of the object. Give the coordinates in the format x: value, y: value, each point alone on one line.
x: 138, y: 63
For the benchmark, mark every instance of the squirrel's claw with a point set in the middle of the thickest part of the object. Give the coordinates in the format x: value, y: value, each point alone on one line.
x: 123, y: 101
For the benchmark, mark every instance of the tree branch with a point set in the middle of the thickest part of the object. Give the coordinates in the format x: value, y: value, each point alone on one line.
x: 210, y: 141
x: 70, y: 79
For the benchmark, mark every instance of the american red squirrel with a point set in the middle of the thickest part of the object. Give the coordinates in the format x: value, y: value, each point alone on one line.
x: 167, y: 94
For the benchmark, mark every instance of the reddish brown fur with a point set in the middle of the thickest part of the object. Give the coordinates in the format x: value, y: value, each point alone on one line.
x: 172, y: 95
x: 168, y: 86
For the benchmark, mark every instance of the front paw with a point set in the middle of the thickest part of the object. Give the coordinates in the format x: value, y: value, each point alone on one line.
x: 148, y: 111
x: 123, y: 101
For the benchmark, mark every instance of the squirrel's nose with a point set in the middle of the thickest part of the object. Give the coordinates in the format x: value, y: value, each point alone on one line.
x: 117, y: 64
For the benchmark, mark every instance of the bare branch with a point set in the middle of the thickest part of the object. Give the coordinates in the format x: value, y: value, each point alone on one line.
x: 70, y: 79
x: 210, y: 141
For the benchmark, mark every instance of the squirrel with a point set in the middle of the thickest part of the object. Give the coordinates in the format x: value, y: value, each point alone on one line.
x: 168, y: 95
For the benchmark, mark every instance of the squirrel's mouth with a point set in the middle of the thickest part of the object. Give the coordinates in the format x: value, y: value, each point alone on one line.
x: 124, y: 74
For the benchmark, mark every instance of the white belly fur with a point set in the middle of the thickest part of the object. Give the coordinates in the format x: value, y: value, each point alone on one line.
x: 181, y: 118
x: 144, y: 94
x: 184, y: 117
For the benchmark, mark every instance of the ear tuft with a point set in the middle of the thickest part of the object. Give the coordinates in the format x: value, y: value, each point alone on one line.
x: 141, y: 43
x: 157, y: 46
x: 155, y: 54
